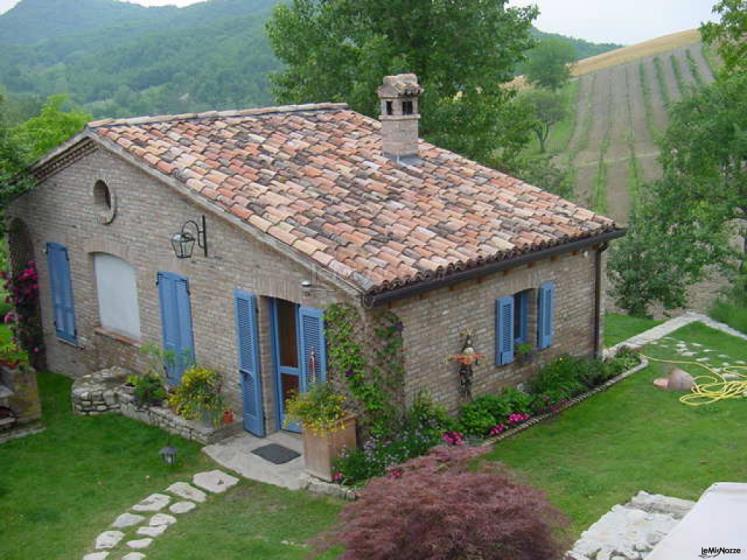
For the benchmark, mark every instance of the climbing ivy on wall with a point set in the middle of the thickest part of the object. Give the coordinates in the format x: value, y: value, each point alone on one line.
x: 372, y: 367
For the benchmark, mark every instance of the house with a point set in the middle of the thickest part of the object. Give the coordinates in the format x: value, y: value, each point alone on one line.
x: 279, y: 212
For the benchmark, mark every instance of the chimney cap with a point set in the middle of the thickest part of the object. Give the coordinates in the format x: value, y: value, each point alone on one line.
x: 400, y: 85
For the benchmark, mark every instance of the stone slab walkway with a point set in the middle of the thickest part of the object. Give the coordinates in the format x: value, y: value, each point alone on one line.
x: 131, y: 533
x: 235, y: 453
x: 668, y: 327
x: 630, y: 531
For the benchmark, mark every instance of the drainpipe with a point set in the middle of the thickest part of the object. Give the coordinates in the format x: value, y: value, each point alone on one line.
x: 598, y: 297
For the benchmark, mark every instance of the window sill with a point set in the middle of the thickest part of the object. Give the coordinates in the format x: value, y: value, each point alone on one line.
x: 74, y: 344
x: 119, y: 337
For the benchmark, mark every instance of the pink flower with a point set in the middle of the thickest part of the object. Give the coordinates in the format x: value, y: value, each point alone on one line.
x: 498, y: 429
x: 517, y: 418
x: 453, y: 438
x: 395, y: 473
x: 337, y: 477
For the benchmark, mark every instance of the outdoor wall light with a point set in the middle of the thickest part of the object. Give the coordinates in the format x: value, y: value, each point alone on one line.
x: 168, y: 454
x: 183, y: 241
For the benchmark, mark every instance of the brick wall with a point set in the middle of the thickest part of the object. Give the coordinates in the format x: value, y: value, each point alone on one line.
x: 434, y: 324
x: 148, y: 212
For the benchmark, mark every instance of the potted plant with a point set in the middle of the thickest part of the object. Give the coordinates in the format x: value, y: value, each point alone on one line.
x: 328, y: 428
x: 525, y: 353
x: 229, y: 416
x: 199, y: 396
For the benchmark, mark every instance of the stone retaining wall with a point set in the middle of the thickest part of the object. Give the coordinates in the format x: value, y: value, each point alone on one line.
x: 105, y: 392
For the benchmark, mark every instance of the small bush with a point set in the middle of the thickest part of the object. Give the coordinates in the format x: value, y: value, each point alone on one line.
x: 418, y: 432
x: 437, y: 507
x: 561, y: 379
x: 479, y: 417
x: 320, y: 409
x: 199, y: 394
x: 149, y: 390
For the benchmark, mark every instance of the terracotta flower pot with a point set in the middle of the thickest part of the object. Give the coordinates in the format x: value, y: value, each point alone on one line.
x: 228, y: 417
x: 321, y: 450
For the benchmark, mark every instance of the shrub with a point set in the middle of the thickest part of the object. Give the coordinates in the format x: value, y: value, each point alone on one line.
x: 421, y: 429
x: 484, y: 413
x: 320, y: 409
x: 437, y: 507
x: 199, y: 394
x: 149, y: 389
x: 561, y: 379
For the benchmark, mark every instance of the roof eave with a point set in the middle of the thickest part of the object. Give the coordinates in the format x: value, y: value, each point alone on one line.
x: 409, y: 290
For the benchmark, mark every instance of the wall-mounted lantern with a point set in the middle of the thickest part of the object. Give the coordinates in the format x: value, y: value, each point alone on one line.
x: 183, y: 242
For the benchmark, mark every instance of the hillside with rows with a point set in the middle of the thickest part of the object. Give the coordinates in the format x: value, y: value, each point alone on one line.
x: 617, y: 109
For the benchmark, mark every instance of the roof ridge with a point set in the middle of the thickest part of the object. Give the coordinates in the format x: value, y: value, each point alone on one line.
x: 218, y: 114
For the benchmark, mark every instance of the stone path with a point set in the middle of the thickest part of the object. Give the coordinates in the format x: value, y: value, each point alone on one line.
x: 660, y: 331
x: 632, y: 530
x: 136, y: 530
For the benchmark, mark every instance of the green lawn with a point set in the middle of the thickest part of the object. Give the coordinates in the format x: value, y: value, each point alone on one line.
x: 635, y: 437
x: 61, y: 488
x: 252, y: 521
x: 619, y: 327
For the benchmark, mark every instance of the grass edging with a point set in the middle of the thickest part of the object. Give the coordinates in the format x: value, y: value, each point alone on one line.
x: 566, y: 405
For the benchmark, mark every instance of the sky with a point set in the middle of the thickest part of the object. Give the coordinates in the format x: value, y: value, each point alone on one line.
x: 602, y: 21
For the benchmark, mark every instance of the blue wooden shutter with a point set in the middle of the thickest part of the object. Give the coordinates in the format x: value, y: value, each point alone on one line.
x: 313, y: 346
x: 58, y: 262
x: 504, y: 330
x: 545, y: 315
x: 176, y: 323
x: 245, y: 306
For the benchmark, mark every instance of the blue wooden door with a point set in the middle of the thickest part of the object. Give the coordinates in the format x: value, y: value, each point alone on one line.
x: 176, y: 323
x: 245, y: 306
x: 58, y: 262
x: 299, y: 352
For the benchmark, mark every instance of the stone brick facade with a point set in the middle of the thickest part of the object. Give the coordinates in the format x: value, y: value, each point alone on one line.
x: 148, y: 212
x: 435, y: 323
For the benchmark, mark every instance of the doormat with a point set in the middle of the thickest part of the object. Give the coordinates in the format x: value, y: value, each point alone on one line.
x: 276, y: 454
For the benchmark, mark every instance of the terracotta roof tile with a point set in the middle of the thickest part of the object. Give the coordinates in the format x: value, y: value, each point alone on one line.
x: 314, y: 178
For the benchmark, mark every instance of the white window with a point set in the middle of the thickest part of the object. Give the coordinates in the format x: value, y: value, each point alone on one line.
x: 116, y: 285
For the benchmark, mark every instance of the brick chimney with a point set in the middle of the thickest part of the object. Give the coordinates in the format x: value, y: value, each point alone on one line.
x: 400, y: 114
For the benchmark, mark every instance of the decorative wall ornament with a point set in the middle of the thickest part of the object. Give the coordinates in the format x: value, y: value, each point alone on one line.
x: 466, y: 359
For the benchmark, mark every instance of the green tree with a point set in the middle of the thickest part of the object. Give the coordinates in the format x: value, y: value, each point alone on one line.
x: 548, y: 108
x: 549, y: 64
x: 729, y: 35
x: 50, y: 128
x: 542, y: 172
x: 13, y: 157
x: 462, y: 51
x: 688, y: 218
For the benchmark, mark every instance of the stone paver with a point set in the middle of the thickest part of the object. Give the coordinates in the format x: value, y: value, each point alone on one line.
x: 133, y: 556
x: 187, y: 491
x: 215, y: 481
x: 668, y: 327
x: 630, y: 531
x: 152, y: 530
x: 127, y: 520
x: 182, y: 507
x: 96, y: 556
x: 162, y: 519
x: 154, y: 502
x: 108, y: 539
x: 139, y: 543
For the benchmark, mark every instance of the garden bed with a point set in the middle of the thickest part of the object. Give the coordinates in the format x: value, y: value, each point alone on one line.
x: 105, y: 392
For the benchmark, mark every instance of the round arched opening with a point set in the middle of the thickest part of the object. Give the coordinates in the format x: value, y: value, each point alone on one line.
x: 104, y: 202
